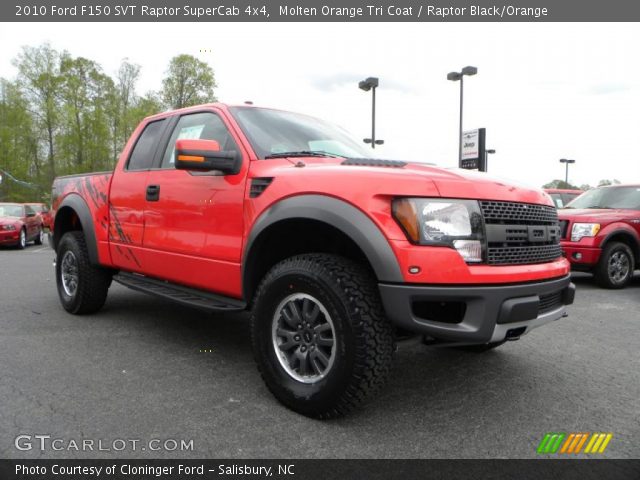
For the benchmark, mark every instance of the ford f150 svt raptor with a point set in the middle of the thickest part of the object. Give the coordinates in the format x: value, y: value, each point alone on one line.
x: 244, y: 208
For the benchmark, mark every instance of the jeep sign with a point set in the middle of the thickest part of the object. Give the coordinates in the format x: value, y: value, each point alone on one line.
x: 473, y: 149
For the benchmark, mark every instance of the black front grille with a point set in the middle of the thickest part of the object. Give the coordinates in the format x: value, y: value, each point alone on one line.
x: 522, y: 255
x: 549, y: 302
x: 518, y: 213
x: 520, y: 233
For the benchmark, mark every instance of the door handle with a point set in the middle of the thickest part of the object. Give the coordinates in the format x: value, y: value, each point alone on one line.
x: 153, y: 193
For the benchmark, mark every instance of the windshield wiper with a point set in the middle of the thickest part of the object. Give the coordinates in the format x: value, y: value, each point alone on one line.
x: 599, y: 206
x: 303, y: 153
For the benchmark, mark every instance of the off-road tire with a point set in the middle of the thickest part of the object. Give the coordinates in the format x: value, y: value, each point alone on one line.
x: 363, y: 337
x: 92, y: 282
x: 602, y: 272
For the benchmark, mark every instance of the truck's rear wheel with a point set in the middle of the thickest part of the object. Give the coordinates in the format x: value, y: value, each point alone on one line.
x: 320, y: 337
x: 82, y: 287
x: 615, y: 267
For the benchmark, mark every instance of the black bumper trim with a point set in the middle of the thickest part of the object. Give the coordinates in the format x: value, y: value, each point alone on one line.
x: 487, y: 306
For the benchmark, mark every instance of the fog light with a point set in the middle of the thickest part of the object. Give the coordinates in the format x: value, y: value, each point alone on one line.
x: 577, y: 256
x: 469, y: 250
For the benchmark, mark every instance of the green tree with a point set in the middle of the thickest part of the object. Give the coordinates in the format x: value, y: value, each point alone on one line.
x: 189, y: 81
x: 18, y: 145
x: 39, y: 80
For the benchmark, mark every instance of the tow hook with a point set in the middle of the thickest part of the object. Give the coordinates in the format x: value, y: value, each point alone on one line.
x: 514, y: 334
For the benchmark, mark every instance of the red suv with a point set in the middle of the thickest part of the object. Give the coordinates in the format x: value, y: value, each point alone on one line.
x: 601, y: 233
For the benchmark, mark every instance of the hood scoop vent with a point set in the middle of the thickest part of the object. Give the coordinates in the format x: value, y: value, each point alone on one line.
x: 374, y: 162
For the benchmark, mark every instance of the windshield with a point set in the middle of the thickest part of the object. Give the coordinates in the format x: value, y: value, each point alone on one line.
x: 609, y: 197
x: 274, y: 133
x: 10, y: 210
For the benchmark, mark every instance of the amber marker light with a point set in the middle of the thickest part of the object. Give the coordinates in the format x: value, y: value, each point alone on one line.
x: 404, y: 211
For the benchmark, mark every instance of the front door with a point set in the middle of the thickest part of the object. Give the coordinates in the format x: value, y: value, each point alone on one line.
x: 127, y: 199
x: 194, y: 227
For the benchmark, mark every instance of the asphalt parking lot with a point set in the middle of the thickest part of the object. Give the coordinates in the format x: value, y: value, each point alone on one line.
x: 145, y: 369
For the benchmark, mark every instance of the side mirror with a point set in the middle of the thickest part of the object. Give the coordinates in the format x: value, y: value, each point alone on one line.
x: 205, y: 155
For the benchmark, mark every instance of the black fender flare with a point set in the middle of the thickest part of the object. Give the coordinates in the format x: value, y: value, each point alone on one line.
x: 80, y: 207
x: 342, y: 216
x: 635, y: 246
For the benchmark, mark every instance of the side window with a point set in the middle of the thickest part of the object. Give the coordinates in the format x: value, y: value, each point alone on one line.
x: 142, y: 155
x: 198, y: 126
x: 29, y: 210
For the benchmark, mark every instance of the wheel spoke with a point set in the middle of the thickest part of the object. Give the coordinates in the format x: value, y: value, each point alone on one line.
x: 324, y: 342
x: 303, y: 362
x: 319, y: 361
x: 289, y: 342
x: 310, y: 311
x: 289, y: 318
x: 321, y: 328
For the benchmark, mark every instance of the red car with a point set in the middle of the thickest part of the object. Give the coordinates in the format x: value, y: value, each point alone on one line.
x: 20, y: 224
x: 562, y: 196
x: 601, y: 233
x: 44, y: 212
x: 334, y: 253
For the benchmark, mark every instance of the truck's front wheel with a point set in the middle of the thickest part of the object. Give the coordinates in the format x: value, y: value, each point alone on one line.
x: 82, y: 287
x: 320, y: 337
x: 615, y: 268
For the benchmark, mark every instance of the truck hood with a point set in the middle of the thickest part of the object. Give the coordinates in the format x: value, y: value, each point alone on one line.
x: 483, y: 186
x: 398, y: 179
x: 598, y: 215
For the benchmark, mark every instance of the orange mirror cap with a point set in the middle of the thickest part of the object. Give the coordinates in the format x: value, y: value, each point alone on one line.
x: 189, y: 145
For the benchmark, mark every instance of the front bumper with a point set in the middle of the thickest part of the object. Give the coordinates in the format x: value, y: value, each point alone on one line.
x: 468, y: 315
x: 9, y: 237
x: 582, y: 255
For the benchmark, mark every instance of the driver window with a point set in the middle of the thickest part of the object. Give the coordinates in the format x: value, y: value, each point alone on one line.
x: 198, y: 126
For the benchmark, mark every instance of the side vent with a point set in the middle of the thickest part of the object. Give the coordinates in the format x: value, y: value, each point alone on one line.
x: 259, y: 185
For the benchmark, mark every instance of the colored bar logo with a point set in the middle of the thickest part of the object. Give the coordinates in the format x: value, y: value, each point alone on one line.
x: 573, y: 443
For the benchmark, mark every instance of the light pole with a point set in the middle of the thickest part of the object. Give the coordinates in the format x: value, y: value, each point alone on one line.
x: 454, y: 77
x: 488, y: 152
x: 371, y: 83
x: 566, y: 170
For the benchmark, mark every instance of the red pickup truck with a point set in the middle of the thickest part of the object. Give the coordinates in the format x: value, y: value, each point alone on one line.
x: 601, y: 233
x: 242, y: 208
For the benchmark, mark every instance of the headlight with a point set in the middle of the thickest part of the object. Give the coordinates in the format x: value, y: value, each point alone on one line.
x: 8, y: 227
x: 580, y: 230
x: 443, y: 222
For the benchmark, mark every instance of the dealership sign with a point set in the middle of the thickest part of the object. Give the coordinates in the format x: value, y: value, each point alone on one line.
x: 473, y: 150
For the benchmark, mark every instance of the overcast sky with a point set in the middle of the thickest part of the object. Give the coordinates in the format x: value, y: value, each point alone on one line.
x: 543, y: 91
